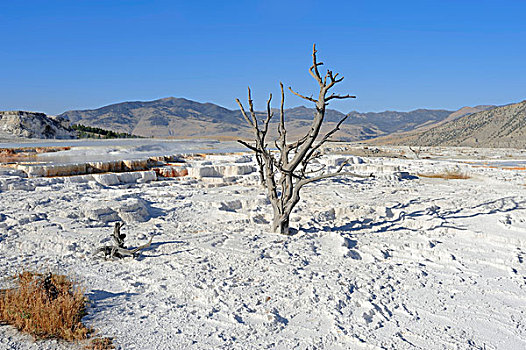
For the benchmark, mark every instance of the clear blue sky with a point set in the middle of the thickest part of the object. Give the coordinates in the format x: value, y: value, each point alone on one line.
x: 396, y: 55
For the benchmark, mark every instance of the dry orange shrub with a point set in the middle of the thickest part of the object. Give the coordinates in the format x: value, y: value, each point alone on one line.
x: 449, y: 175
x: 514, y: 168
x: 48, y: 306
x: 45, y: 306
x: 100, y: 344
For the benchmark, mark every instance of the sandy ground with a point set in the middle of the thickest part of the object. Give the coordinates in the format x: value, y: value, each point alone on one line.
x: 383, y: 263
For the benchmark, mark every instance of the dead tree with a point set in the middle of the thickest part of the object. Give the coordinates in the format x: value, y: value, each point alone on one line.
x: 285, y: 172
x: 118, y: 250
x: 415, y: 151
x: 117, y: 236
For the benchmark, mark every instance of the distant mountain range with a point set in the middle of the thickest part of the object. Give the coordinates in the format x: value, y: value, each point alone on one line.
x: 479, y: 126
x: 182, y: 118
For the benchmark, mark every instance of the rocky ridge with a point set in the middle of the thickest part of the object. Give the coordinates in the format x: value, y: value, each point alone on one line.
x: 405, y: 137
x: 21, y: 124
x: 498, y: 127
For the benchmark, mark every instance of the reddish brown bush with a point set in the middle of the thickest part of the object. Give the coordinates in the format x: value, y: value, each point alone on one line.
x: 100, y: 344
x: 449, y: 175
x: 45, y: 306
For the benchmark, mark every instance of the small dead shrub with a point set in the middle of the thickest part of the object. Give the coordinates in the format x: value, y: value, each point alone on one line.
x: 45, y: 306
x: 100, y: 344
x: 448, y: 175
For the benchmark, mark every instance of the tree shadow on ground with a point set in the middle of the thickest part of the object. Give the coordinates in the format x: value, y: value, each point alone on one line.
x: 501, y: 205
x: 155, y: 246
x: 102, y: 300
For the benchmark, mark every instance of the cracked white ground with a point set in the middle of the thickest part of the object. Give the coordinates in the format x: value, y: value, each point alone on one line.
x: 382, y: 263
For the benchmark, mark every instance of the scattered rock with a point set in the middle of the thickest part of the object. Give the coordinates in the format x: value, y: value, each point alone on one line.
x: 107, y: 179
x: 326, y: 215
x: 133, y: 210
x: 231, y: 205
x: 101, y: 214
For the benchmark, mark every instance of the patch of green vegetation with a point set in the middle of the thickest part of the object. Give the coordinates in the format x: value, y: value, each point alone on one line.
x: 84, y: 132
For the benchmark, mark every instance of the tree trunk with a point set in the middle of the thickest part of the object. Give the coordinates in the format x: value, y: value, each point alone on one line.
x: 280, y: 224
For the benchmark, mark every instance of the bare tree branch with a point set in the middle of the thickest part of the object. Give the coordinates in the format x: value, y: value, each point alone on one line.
x: 249, y: 146
x: 325, y: 138
x: 314, y: 68
x: 282, y: 131
x: 303, y: 97
x: 117, y: 236
x: 333, y: 96
x: 323, y: 166
x: 297, y: 143
x: 270, y: 114
x: 249, y: 121
x: 251, y: 109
